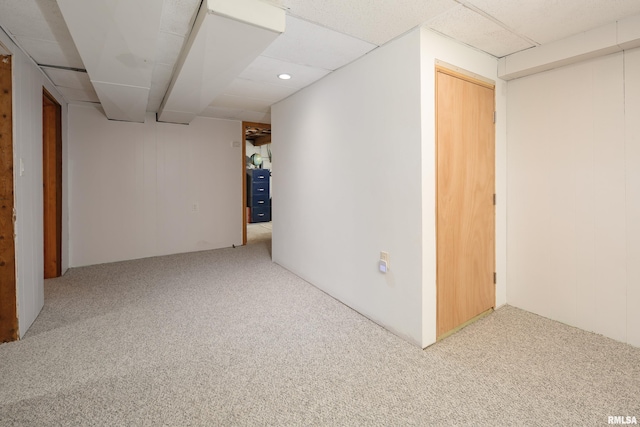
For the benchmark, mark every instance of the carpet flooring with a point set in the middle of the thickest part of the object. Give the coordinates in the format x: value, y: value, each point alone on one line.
x: 228, y: 338
x: 259, y: 232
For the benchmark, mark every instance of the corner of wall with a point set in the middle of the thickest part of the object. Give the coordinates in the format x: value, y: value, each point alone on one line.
x: 434, y: 47
x: 28, y: 81
x: 381, y: 91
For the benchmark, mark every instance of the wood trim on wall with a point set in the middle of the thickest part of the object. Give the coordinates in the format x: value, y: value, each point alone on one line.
x: 244, y: 182
x: 52, y: 184
x: 8, y: 291
x: 463, y: 74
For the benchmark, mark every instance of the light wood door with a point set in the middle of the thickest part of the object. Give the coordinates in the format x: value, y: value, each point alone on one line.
x: 52, y: 185
x: 465, y: 199
x: 8, y: 301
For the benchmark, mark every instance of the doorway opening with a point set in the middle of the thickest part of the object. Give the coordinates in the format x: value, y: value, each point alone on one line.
x: 256, y: 182
x: 52, y: 184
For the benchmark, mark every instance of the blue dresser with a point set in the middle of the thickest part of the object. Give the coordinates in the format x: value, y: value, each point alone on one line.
x: 258, y: 195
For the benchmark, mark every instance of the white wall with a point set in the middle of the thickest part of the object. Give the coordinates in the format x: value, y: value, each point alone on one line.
x: 347, y: 155
x: 355, y: 161
x: 133, y: 187
x: 28, y: 82
x: 632, y: 175
x: 437, y: 48
x: 574, y: 195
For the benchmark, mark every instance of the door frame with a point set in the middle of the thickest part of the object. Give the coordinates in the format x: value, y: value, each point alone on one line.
x: 52, y: 184
x: 456, y: 72
x: 9, y: 327
x: 246, y: 125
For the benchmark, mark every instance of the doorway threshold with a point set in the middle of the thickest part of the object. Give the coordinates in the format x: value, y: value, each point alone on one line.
x: 465, y: 324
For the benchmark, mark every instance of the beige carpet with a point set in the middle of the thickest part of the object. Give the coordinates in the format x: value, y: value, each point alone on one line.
x: 259, y: 232
x: 226, y: 338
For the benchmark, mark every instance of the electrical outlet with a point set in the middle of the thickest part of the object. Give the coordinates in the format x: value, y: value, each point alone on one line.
x: 383, y: 264
x: 384, y: 256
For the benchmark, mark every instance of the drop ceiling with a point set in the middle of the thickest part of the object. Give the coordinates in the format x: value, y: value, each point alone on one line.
x: 319, y: 38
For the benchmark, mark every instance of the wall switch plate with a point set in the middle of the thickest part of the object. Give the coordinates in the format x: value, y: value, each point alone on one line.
x: 195, y: 207
x: 235, y: 144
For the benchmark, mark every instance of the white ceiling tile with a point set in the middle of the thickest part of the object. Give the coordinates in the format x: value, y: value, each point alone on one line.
x: 161, y: 76
x: 310, y: 44
x: 40, y: 22
x: 548, y: 20
x: 46, y: 52
x: 241, y: 103
x: 220, y: 113
x: 254, y: 116
x: 315, y: 39
x: 478, y: 31
x: 279, y: 3
x: 77, y: 95
x: 168, y: 48
x: 376, y: 21
x: 124, y: 103
x: 260, y: 90
x: 116, y: 39
x: 69, y: 78
x: 34, y: 19
x: 178, y: 16
x: 266, y: 70
x: 212, y: 62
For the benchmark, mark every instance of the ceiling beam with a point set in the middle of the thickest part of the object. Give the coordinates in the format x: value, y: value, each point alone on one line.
x: 117, y: 41
x: 227, y: 36
x: 615, y: 37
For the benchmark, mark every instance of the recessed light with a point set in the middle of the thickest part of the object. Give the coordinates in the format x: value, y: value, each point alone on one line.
x: 284, y: 76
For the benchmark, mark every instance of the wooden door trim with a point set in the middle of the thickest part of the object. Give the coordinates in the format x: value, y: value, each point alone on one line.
x: 463, y: 74
x: 245, y: 125
x: 52, y: 183
x: 8, y: 291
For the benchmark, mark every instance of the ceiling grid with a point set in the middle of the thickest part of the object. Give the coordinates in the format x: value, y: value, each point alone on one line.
x: 320, y: 37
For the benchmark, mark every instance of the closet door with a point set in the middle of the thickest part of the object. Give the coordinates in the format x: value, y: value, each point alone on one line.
x: 465, y: 199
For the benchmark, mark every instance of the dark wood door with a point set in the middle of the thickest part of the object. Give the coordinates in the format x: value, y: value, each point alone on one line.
x: 52, y: 185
